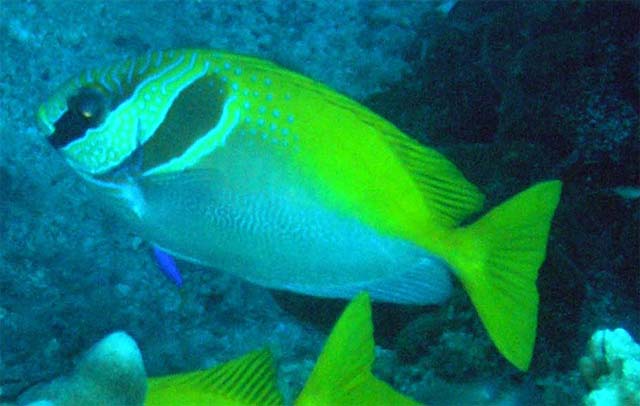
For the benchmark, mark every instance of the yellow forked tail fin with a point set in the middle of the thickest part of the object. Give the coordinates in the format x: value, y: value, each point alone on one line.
x: 497, y: 259
x: 342, y: 375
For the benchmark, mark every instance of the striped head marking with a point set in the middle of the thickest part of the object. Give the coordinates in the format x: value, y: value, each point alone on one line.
x: 155, y: 104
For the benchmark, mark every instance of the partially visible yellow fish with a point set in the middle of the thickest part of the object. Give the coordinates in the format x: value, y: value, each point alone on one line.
x: 239, y: 164
x: 341, y: 377
x: 246, y: 381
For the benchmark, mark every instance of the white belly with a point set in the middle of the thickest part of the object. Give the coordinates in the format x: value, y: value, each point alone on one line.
x: 248, y: 214
x: 282, y: 243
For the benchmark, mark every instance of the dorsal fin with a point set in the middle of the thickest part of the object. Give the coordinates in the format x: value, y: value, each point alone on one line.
x: 444, y: 188
x: 248, y: 380
x: 342, y: 375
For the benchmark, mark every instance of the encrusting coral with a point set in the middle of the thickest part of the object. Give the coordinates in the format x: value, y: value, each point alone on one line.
x: 110, y: 373
x: 611, y: 369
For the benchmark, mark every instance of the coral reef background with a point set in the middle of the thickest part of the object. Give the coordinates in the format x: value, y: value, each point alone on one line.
x: 513, y: 92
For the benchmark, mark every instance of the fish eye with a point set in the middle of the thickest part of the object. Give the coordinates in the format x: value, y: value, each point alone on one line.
x: 85, y: 110
x: 88, y: 104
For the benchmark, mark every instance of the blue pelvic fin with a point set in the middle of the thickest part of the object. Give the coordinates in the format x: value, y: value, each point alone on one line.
x: 167, y: 265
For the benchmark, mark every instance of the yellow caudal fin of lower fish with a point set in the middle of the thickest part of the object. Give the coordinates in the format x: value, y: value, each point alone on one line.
x: 246, y: 381
x: 497, y: 259
x: 342, y: 375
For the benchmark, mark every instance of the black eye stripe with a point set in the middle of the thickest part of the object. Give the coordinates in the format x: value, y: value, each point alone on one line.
x: 85, y: 110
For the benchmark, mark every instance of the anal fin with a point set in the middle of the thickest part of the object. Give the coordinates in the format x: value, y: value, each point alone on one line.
x: 428, y: 282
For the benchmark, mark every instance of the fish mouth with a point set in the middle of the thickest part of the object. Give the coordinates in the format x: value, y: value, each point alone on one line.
x: 45, y: 124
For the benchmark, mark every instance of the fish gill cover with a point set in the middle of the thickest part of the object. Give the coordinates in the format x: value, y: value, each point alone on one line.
x: 511, y: 92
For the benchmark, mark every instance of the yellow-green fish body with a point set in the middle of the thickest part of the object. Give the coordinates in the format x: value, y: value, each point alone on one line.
x: 239, y: 164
